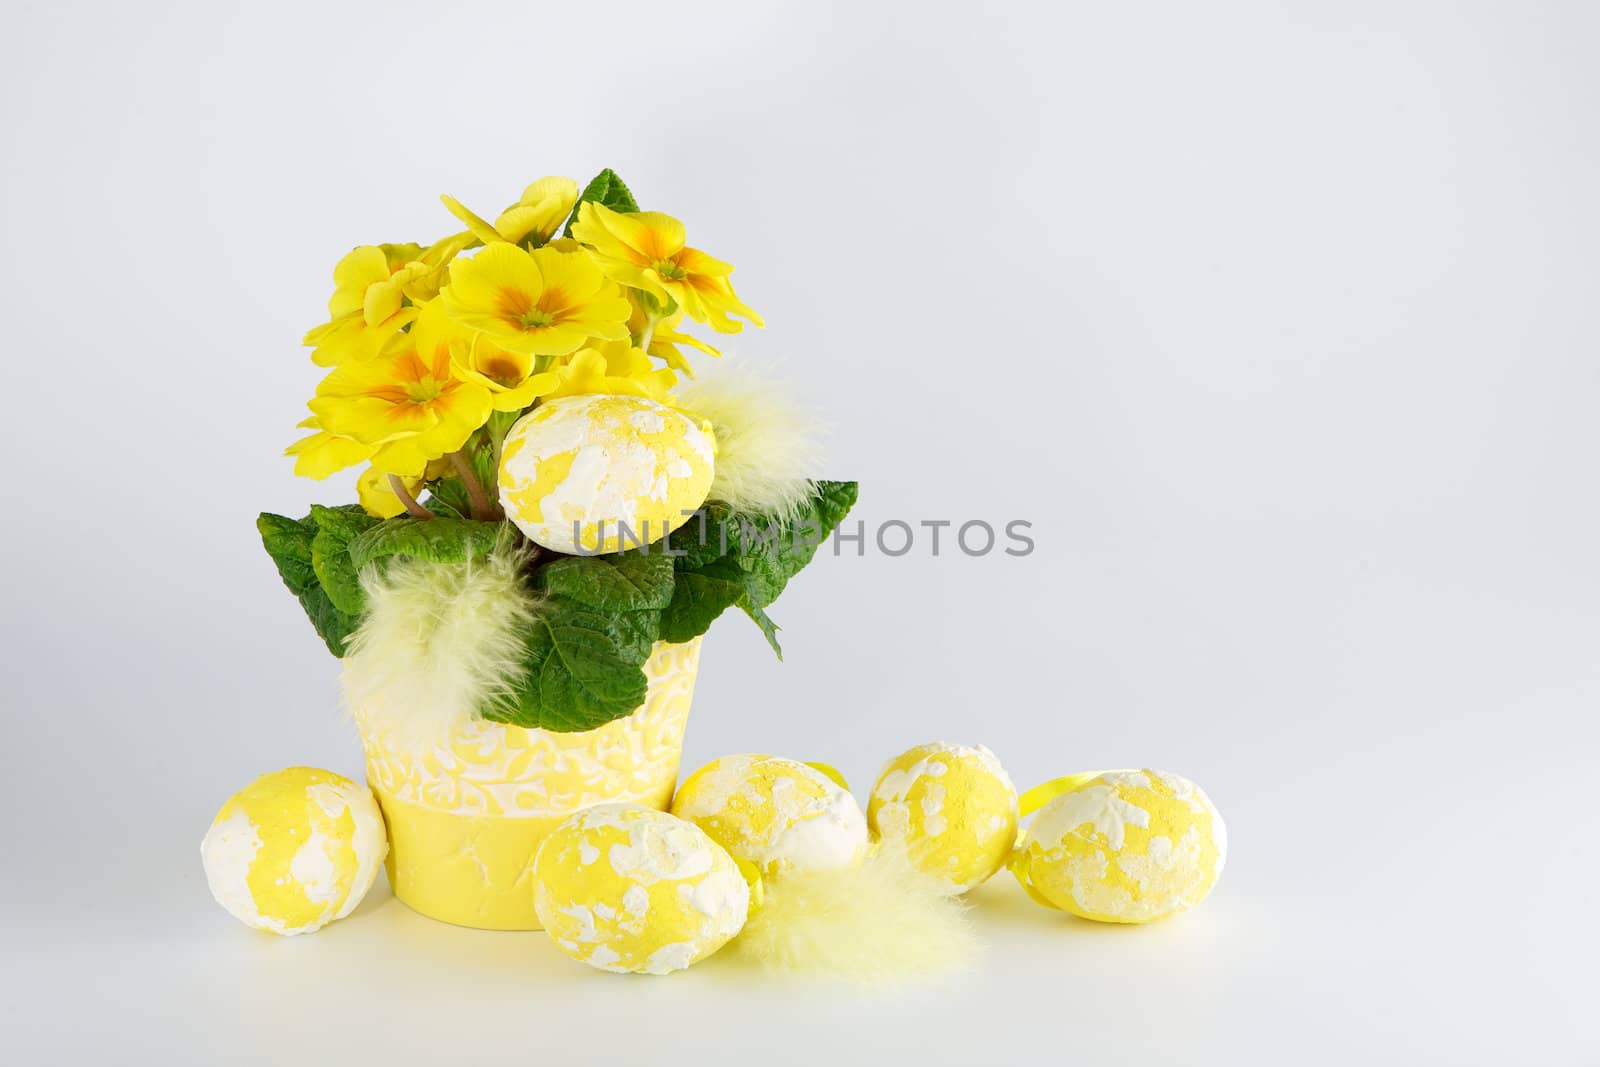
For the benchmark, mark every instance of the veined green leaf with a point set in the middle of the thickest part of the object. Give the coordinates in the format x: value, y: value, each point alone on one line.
x: 604, y: 188
x: 291, y: 544
x: 630, y: 581
x: 330, y: 554
x: 440, y: 540
x: 585, y: 668
x: 729, y: 559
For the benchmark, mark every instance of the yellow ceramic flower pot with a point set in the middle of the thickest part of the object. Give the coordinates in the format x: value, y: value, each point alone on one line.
x: 466, y: 819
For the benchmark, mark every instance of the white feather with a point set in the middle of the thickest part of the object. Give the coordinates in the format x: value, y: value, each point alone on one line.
x: 438, y: 643
x: 768, y: 449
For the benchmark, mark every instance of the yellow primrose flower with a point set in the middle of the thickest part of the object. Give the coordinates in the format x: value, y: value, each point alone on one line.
x: 322, y: 454
x: 377, y: 496
x: 408, y: 400
x: 646, y: 250
x: 543, y: 207
x: 424, y: 277
x: 364, y: 311
x: 350, y: 338
x: 540, y: 303
x: 371, y: 287
x: 511, y: 377
x: 666, y: 337
x: 514, y: 379
x: 361, y: 281
x: 616, y: 368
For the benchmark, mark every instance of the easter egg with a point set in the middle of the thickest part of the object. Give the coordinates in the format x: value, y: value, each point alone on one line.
x: 631, y: 889
x: 600, y: 473
x: 777, y: 814
x: 1124, y: 847
x: 950, y: 810
x: 294, y: 850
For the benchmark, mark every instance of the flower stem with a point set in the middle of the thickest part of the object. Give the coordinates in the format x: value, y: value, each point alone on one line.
x: 412, y: 507
x: 649, y: 332
x: 482, y: 508
x: 499, y: 425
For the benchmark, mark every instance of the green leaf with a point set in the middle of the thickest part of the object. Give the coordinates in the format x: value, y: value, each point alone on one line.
x: 330, y: 554
x: 585, y: 668
x: 768, y: 628
x: 705, y: 538
x: 785, y: 548
x: 439, y: 540
x: 332, y: 625
x: 450, y: 492
x: 729, y: 559
x: 448, y: 499
x: 604, y: 188
x: 630, y: 581
x: 598, y: 622
x: 291, y: 544
x: 699, y: 596
x: 288, y: 542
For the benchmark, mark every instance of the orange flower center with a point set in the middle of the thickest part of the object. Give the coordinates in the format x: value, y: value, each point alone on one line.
x: 513, y: 303
x: 527, y: 312
x: 502, y: 370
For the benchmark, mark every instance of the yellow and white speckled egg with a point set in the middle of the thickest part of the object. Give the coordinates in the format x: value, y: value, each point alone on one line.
x: 600, y: 473
x: 951, y: 810
x: 777, y: 814
x: 631, y: 889
x: 1124, y: 847
x: 294, y: 850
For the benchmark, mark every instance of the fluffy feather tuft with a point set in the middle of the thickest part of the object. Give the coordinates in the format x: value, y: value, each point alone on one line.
x: 768, y: 448
x: 438, y: 643
x: 872, y: 925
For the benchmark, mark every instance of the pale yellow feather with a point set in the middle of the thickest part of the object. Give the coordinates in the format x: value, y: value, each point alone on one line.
x: 769, y: 449
x: 873, y: 924
x: 438, y: 643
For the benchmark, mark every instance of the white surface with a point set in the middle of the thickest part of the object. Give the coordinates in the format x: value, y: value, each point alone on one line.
x: 1277, y: 321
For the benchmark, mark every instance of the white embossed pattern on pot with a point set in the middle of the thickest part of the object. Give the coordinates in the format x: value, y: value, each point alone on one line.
x: 495, y: 769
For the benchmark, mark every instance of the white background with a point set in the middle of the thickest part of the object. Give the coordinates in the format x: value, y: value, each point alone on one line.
x: 1277, y: 321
